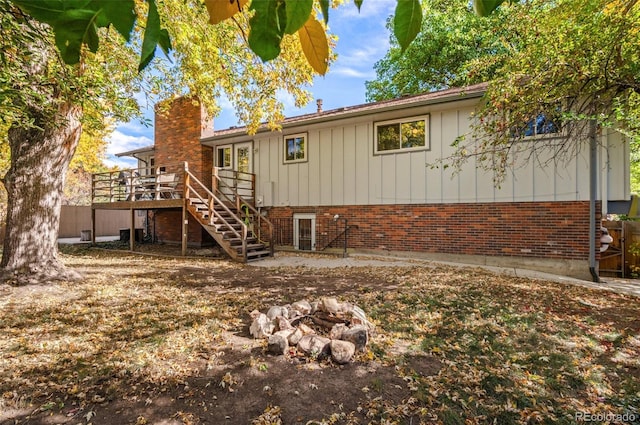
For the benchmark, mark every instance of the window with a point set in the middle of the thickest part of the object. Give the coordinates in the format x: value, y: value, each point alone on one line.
x: 223, y: 156
x: 538, y: 126
x: 295, y: 148
x: 408, y: 134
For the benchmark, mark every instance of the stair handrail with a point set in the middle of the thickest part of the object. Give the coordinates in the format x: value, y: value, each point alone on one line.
x: 239, y: 201
x: 212, y: 211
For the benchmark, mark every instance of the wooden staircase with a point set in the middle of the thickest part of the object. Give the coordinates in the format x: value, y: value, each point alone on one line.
x: 233, y: 222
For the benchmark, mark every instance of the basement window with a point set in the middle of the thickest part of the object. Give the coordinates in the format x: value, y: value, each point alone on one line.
x: 402, y: 135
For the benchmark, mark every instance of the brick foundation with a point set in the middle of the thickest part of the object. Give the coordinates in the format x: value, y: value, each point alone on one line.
x: 552, y: 230
x: 168, y: 229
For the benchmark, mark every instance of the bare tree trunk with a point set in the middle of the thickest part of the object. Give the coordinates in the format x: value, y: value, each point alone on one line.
x: 40, y: 157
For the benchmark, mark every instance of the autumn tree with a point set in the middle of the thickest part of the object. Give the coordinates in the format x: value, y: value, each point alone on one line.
x: 570, y: 63
x: 444, y: 54
x: 573, y: 63
x: 88, y: 159
x: 44, y: 101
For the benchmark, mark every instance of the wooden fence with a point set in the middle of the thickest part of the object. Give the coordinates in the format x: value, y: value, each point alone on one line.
x: 74, y: 219
x: 619, y: 259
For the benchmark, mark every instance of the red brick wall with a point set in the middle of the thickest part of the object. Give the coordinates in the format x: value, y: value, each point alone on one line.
x: 558, y: 230
x: 177, y: 139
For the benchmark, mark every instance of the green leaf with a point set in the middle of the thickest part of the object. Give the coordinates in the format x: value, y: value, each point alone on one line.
x: 298, y: 11
x: 407, y: 21
x: 154, y: 35
x: 42, y: 10
x: 358, y: 4
x: 324, y: 6
x: 485, y: 7
x: 75, y: 22
x: 121, y: 14
x: 266, y: 28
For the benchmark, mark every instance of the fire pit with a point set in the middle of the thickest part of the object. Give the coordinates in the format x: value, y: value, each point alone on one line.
x: 319, y: 329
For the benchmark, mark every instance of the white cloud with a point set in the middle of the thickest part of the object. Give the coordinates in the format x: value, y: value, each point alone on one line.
x: 346, y: 71
x: 364, y: 57
x: 376, y: 9
x: 125, y: 162
x: 121, y: 142
x: 224, y: 102
x: 134, y: 127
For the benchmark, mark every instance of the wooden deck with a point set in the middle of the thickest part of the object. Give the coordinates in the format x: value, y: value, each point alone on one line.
x: 139, y: 205
x: 226, y: 211
x: 147, y: 188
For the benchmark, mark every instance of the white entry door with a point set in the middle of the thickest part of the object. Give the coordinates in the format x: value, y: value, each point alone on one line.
x: 243, y: 158
x: 243, y: 165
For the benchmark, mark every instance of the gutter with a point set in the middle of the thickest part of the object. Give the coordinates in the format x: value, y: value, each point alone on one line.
x: 593, y: 185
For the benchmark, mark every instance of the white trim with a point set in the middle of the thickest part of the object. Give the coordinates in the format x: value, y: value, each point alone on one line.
x: 400, y: 121
x: 286, y: 137
x: 219, y: 148
x: 296, y: 229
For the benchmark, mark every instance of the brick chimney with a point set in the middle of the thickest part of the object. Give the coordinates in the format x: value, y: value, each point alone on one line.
x: 178, y: 129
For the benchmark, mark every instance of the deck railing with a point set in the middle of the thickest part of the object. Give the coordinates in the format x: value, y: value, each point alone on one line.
x: 232, y: 191
x: 238, y: 188
x: 139, y: 184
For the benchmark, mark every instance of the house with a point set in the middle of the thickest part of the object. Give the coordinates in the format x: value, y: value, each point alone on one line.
x: 345, y: 179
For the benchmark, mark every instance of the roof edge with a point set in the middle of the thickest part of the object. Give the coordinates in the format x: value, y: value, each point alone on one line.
x: 441, y: 96
x: 133, y: 152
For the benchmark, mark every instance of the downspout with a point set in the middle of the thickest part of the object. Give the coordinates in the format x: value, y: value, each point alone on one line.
x: 593, y: 191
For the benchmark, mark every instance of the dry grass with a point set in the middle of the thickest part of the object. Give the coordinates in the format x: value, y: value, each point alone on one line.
x: 505, y: 350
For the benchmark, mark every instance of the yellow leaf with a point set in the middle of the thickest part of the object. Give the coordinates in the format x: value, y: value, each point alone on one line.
x: 314, y: 45
x: 219, y: 10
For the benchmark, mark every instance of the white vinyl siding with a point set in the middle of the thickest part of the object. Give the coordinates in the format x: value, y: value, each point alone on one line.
x: 341, y: 167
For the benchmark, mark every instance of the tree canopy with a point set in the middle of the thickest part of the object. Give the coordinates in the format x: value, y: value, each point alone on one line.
x: 573, y: 62
x: 443, y: 54
x: 564, y: 63
x: 45, y: 102
x: 76, y: 24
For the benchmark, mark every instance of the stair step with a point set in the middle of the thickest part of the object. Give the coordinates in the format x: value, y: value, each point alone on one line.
x: 250, y: 247
x: 221, y: 228
x: 238, y: 241
x: 225, y: 228
x: 258, y: 255
x: 227, y: 234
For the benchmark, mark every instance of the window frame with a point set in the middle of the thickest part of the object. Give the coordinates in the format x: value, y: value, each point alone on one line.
x: 286, y: 137
x: 538, y: 136
x: 222, y: 147
x: 405, y: 120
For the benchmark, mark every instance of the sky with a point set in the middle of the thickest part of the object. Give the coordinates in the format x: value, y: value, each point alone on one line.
x: 363, y: 39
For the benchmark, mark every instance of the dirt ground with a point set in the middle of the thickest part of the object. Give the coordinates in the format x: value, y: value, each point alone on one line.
x: 231, y: 379
x: 234, y: 381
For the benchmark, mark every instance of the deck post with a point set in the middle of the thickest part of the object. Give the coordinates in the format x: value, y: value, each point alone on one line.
x: 93, y: 226
x: 132, y: 230
x: 185, y: 199
x: 185, y: 227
